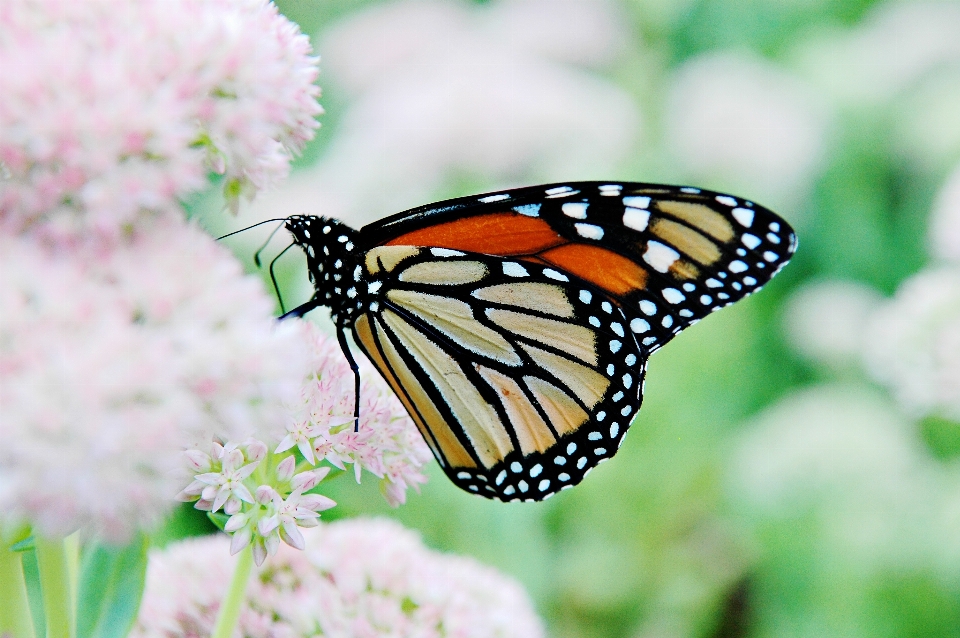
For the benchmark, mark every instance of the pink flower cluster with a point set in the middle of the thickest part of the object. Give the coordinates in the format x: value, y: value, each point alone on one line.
x: 111, y: 108
x: 273, y: 512
x: 111, y: 362
x: 363, y: 578
x: 387, y: 444
x: 268, y: 495
x: 127, y: 334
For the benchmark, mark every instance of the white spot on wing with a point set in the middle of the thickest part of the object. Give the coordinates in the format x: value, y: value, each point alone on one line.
x: 636, y: 201
x: 494, y: 198
x: 660, y: 256
x: 636, y: 218
x: 446, y: 252
x: 648, y: 307
x: 513, y: 269
x: 750, y: 241
x: 530, y: 210
x: 673, y: 295
x: 560, y: 191
x: 577, y: 210
x: 726, y: 200
x: 553, y: 274
x: 737, y: 266
x: 589, y: 231
x: 639, y: 326
x: 744, y: 216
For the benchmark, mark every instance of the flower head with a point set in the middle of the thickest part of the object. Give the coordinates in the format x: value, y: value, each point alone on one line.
x: 113, y: 361
x: 386, y: 443
x: 112, y: 109
x: 361, y: 577
x: 912, y: 343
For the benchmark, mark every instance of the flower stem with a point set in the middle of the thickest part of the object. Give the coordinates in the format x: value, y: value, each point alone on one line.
x: 15, y: 617
x: 230, y: 608
x: 58, y: 595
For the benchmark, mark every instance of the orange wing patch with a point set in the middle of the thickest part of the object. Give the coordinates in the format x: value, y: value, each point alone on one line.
x: 608, y: 270
x: 503, y: 234
x: 510, y: 234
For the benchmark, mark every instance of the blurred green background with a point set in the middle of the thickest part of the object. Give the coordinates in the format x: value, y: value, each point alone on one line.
x: 738, y: 505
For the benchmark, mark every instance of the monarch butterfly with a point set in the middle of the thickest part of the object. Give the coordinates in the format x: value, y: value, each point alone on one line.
x: 515, y: 326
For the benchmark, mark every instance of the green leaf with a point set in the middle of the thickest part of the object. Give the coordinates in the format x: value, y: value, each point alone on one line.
x: 26, y: 545
x: 110, y: 588
x: 219, y: 519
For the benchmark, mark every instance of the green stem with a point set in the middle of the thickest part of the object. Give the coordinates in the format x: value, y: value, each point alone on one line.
x: 58, y: 597
x: 236, y: 596
x: 71, y: 548
x: 15, y: 619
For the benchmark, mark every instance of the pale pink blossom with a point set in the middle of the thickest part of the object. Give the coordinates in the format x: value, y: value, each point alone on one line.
x: 114, y: 361
x: 825, y: 321
x: 113, y: 109
x: 269, y: 495
x: 387, y: 443
x: 944, y: 236
x: 264, y: 508
x: 745, y: 122
x: 912, y: 343
x: 362, y: 578
x: 845, y: 461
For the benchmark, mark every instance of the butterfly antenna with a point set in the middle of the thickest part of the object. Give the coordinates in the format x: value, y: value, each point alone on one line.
x: 342, y: 338
x: 266, y: 221
x: 256, y: 255
x: 273, y: 277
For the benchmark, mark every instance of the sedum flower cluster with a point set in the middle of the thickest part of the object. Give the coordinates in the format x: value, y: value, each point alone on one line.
x: 127, y: 334
x: 112, y: 109
x: 386, y: 443
x: 269, y: 495
x: 363, y: 578
x: 909, y: 343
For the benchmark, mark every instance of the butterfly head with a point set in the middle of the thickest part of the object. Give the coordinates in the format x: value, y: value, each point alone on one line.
x: 332, y: 261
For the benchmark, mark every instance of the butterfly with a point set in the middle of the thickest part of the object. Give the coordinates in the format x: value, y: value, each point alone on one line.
x: 515, y: 326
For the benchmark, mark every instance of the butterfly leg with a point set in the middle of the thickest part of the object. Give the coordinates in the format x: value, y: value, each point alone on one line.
x: 273, y: 277
x: 342, y: 338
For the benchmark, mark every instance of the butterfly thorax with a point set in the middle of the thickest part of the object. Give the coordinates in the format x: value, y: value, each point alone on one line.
x: 333, y: 263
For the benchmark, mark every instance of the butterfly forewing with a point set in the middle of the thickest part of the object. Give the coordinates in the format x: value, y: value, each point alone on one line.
x: 668, y: 255
x: 520, y: 378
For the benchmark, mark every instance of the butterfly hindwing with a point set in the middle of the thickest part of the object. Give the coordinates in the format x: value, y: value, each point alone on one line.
x: 520, y: 378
